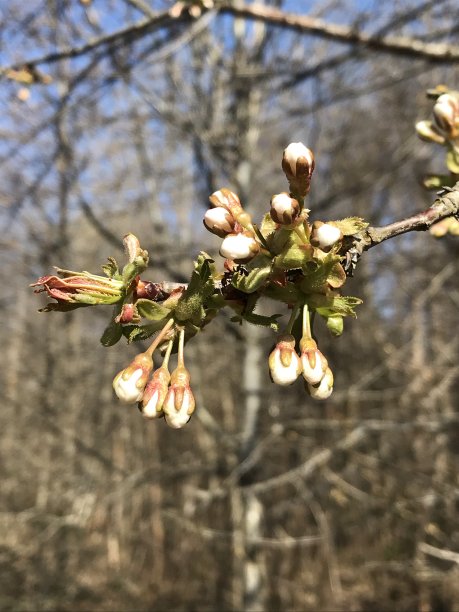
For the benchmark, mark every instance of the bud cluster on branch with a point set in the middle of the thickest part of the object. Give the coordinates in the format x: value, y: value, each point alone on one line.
x: 300, y: 264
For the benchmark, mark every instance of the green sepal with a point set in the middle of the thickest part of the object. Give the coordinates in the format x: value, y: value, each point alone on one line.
x: 200, y: 287
x: 151, y: 310
x: 335, y: 324
x: 268, y: 226
x: 133, y: 333
x: 316, y: 278
x: 258, y: 271
x: 279, y: 240
x: 289, y: 293
x: 329, y: 305
x: 295, y: 254
x: 452, y: 160
x: 111, y: 269
x: 351, y: 225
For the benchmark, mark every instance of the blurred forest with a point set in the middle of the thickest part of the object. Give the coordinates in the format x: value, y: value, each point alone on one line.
x: 266, y: 500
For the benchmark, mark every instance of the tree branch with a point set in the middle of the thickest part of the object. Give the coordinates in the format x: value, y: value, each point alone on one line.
x: 402, y: 46
x: 446, y: 205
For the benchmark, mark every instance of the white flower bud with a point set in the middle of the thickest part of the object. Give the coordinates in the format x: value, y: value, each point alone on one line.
x: 446, y: 112
x: 284, y: 209
x: 313, y: 362
x: 240, y: 247
x: 219, y: 221
x: 179, y: 403
x: 155, y: 393
x: 126, y: 389
x: 325, y: 235
x: 297, y: 160
x: 324, y: 389
x: 284, y: 363
x: 129, y: 384
x: 178, y: 406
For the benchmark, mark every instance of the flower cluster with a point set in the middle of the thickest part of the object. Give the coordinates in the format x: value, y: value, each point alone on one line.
x: 285, y: 365
x: 294, y: 261
x: 162, y: 394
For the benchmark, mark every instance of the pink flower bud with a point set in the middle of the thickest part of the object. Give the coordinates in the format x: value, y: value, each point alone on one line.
x: 219, y: 221
x: 284, y: 209
x: 240, y: 247
x: 324, y: 389
x: 284, y: 363
x: 325, y: 235
x: 155, y: 393
x: 313, y: 362
x: 129, y: 384
x: 179, y: 403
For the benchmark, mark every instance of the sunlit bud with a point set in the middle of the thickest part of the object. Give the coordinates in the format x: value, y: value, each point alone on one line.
x: 129, y: 384
x: 225, y: 198
x: 324, y: 389
x: 446, y: 112
x: 313, y: 362
x: 284, y: 209
x: 428, y: 131
x: 240, y: 247
x: 284, y: 363
x: 155, y: 393
x: 219, y: 221
x: 325, y: 235
x: 179, y: 403
x: 133, y: 249
x: 298, y: 165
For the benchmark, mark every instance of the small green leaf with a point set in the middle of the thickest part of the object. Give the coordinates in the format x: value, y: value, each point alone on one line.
x: 255, y: 275
x: 268, y: 226
x: 133, y: 333
x: 335, y: 324
x: 111, y: 269
x: 316, y: 273
x: 151, y: 310
x: 112, y: 334
x: 351, y: 225
x: 329, y: 305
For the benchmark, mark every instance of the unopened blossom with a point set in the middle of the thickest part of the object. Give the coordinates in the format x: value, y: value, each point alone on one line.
x: 155, y: 393
x: 284, y: 363
x: 241, y: 247
x: 129, y: 384
x: 297, y: 160
x: 429, y: 132
x: 325, y: 235
x: 313, y: 362
x: 324, y: 389
x: 225, y: 198
x: 284, y: 209
x: 179, y: 404
x: 219, y: 221
x: 446, y: 113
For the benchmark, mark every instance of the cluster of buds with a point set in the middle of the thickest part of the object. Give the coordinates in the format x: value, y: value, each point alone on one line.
x: 163, y: 394
x: 230, y: 221
x: 285, y: 365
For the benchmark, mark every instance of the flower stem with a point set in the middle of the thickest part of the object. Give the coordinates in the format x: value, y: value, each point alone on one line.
x: 292, y: 319
x: 168, y: 353
x: 181, y: 361
x: 306, y: 323
x: 159, y: 337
